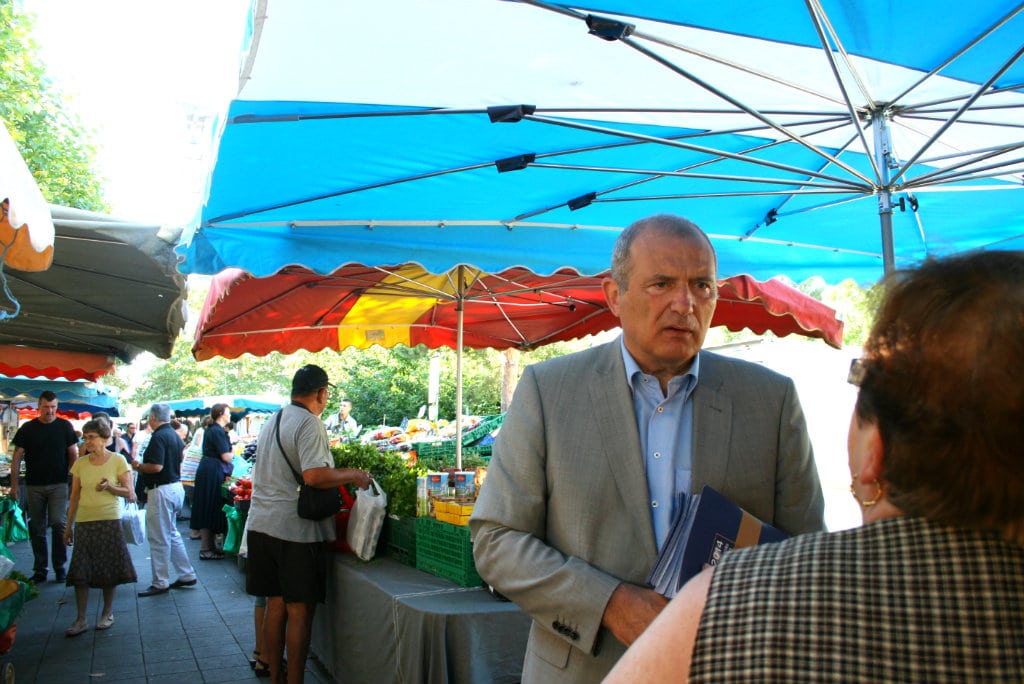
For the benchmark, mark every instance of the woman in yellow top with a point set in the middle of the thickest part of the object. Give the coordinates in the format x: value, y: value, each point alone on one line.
x: 100, y: 558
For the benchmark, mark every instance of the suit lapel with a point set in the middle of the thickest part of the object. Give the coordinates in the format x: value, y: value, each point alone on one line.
x: 712, y: 421
x: 612, y: 403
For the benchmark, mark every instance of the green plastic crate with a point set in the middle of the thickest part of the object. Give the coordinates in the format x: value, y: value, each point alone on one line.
x: 488, y: 424
x: 402, y: 540
x: 446, y: 551
x: 445, y: 449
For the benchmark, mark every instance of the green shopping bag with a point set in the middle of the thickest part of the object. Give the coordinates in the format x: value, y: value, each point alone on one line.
x: 12, y: 522
x: 233, y: 539
x: 14, y: 596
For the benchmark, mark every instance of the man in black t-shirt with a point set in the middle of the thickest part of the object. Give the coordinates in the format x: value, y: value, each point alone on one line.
x: 49, y: 447
x: 160, y: 469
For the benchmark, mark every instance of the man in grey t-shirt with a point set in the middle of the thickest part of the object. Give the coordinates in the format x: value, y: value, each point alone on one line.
x: 288, y: 555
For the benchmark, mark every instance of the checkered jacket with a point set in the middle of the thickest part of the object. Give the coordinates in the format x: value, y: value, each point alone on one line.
x: 900, y: 600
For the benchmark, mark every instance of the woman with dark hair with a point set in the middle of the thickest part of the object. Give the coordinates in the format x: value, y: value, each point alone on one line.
x: 207, y: 499
x: 931, y: 587
x: 100, y: 558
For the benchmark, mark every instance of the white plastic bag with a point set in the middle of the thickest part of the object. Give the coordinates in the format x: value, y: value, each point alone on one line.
x: 243, y: 545
x: 131, y: 524
x: 366, y: 520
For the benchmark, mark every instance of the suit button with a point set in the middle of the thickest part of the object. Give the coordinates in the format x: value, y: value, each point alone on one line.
x: 575, y: 635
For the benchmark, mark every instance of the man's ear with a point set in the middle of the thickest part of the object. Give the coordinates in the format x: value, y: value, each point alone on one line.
x: 611, y: 294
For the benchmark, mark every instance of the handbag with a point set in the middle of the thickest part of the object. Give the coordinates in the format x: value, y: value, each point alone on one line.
x: 314, y: 503
x: 366, y: 520
x: 131, y: 524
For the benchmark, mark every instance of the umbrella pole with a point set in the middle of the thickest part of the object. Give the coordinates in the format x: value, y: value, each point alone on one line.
x: 885, y: 162
x: 458, y: 371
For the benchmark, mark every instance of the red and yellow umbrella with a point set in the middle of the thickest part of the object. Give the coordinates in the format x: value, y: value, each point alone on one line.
x: 360, y: 306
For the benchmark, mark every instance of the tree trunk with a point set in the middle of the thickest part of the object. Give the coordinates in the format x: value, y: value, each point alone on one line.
x: 509, y: 377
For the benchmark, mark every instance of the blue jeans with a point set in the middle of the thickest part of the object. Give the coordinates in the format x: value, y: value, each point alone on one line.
x: 47, y: 506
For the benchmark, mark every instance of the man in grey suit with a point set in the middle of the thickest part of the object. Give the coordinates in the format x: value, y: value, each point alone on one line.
x: 580, y: 493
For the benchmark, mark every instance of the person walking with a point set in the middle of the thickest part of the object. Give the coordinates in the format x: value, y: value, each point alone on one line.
x: 100, y: 558
x: 49, y: 447
x: 160, y: 473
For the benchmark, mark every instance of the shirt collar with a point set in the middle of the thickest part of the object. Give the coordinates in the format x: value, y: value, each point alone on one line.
x: 633, y: 368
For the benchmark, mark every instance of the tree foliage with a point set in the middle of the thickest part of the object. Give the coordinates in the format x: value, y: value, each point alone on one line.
x: 182, y: 377
x: 54, y: 144
x: 855, y: 305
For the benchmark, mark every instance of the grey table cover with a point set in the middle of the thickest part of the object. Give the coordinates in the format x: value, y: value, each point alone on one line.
x: 387, y: 622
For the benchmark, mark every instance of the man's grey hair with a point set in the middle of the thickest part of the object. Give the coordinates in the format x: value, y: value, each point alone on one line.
x: 668, y: 223
x: 161, y: 412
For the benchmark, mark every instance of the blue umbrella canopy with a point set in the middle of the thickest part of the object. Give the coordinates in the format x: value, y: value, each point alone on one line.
x: 72, y: 397
x: 239, y: 405
x: 898, y: 140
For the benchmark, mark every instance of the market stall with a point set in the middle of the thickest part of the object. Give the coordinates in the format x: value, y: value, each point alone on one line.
x: 386, y: 622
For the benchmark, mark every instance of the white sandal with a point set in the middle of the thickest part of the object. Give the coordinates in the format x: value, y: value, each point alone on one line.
x: 76, y: 628
x: 106, y: 622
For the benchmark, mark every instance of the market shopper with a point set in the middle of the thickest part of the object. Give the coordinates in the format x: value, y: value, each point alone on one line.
x: 49, y: 447
x: 931, y: 587
x: 139, y: 443
x: 288, y: 555
x: 208, y: 517
x: 115, y: 442
x: 100, y: 558
x: 159, y: 470
x: 597, y: 445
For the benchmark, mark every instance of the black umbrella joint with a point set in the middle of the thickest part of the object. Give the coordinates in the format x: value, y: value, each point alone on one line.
x: 517, y: 163
x: 581, y: 201
x: 608, y: 29
x: 510, y: 113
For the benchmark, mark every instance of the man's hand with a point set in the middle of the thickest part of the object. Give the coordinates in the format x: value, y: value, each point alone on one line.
x: 630, y: 610
x: 68, y: 535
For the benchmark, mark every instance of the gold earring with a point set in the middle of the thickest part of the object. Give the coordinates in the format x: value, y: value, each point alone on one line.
x: 870, y: 502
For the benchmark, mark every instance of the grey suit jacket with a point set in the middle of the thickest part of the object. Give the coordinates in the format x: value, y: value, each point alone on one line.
x: 562, y: 517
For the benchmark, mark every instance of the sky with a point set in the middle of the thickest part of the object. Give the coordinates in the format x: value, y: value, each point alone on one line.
x: 146, y: 78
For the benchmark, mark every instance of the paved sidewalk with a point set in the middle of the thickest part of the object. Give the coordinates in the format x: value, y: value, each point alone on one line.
x: 196, y: 634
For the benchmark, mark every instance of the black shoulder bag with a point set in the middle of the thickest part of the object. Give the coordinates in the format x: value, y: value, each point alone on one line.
x: 314, y: 503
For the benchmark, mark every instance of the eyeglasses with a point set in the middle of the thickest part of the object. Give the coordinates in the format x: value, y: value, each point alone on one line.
x: 858, y: 369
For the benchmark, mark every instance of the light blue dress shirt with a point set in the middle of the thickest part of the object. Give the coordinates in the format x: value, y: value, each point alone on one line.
x: 665, y: 423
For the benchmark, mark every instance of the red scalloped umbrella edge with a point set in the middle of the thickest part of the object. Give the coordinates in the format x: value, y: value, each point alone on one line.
x: 54, y: 364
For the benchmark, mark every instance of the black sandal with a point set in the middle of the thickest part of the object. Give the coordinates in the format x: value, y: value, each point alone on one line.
x: 211, y: 555
x: 261, y: 668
